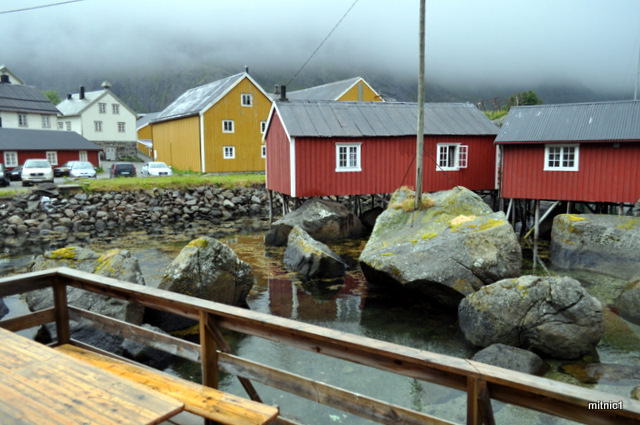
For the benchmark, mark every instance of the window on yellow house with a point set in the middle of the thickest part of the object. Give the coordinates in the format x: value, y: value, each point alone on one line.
x: 228, y: 152
x: 247, y: 99
x: 227, y: 126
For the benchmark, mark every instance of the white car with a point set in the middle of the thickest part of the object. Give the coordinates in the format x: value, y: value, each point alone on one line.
x: 36, y: 171
x: 82, y: 169
x: 155, y: 169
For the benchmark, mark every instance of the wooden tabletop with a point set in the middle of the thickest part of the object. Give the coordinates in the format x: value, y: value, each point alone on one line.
x: 39, y: 385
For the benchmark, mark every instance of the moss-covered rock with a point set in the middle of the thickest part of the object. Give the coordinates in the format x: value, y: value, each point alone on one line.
x: 446, y: 251
x: 628, y: 302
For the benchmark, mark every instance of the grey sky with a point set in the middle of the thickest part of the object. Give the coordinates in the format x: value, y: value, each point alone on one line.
x: 469, y: 42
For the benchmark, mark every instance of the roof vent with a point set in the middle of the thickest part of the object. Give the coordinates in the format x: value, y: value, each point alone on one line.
x: 276, y: 89
x: 4, y: 79
x: 105, y: 85
x: 283, y: 92
x: 69, y: 96
x: 246, y: 69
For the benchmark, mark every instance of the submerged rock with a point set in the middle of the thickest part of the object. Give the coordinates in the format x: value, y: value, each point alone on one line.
x: 323, y: 220
x: 592, y: 373
x: 628, y: 302
x: 310, y: 258
x: 513, y: 358
x: 446, y: 251
x: 552, y: 315
x: 206, y: 268
x: 596, y: 242
x: 3, y: 309
x: 116, y: 263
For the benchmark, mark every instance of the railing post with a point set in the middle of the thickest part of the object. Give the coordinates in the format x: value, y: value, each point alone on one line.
x: 479, y: 409
x: 208, y: 352
x: 61, y: 310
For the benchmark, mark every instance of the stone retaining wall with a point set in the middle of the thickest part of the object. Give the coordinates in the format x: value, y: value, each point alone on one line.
x: 47, y: 217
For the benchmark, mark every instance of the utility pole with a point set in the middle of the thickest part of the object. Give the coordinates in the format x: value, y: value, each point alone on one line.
x: 420, y: 133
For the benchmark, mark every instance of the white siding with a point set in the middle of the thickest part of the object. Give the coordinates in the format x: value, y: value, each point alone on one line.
x: 34, y: 121
x: 109, y: 122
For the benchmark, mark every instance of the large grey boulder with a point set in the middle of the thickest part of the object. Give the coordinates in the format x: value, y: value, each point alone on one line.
x: 323, y: 220
x: 602, y: 243
x: 628, y: 302
x: 116, y: 263
x: 552, y: 315
x: 513, y: 358
x: 206, y: 268
x: 446, y: 251
x: 310, y: 258
x: 3, y: 309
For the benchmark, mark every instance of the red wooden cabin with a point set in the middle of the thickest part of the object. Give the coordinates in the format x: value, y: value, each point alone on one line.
x: 323, y: 148
x: 584, y: 152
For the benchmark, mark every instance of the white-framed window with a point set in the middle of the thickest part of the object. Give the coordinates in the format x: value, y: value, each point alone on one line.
x: 46, y: 121
x: 11, y: 159
x: 561, y: 157
x: 227, y: 126
x: 22, y: 120
x: 52, y: 157
x: 68, y: 125
x: 102, y: 108
x: 263, y: 151
x: 97, y: 126
x: 246, y: 99
x: 60, y: 125
x: 120, y: 126
x: 115, y: 108
x: 452, y: 156
x: 263, y: 127
x: 82, y: 156
x: 348, y: 156
x: 228, y: 152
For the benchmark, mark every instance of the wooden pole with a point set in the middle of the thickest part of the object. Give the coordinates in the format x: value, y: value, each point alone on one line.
x: 420, y: 133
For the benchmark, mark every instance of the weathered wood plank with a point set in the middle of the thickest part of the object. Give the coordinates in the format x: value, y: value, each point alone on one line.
x: 62, y: 313
x: 30, y: 320
x: 201, y: 400
x: 209, y: 353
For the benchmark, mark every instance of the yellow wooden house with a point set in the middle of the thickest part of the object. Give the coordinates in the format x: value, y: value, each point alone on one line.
x: 352, y: 89
x: 214, y: 128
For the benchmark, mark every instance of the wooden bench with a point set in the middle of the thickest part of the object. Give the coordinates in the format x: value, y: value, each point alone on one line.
x: 200, y: 400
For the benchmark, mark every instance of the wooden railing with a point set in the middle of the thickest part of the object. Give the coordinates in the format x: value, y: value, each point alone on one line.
x: 482, y: 383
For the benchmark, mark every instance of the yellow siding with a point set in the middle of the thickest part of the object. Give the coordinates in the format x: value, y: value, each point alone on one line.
x: 246, y: 138
x: 368, y: 95
x: 145, y: 133
x: 177, y: 142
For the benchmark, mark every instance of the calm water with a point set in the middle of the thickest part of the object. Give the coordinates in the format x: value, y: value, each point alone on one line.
x: 351, y: 305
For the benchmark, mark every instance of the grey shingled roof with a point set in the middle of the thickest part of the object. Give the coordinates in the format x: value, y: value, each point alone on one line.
x: 329, y: 91
x: 596, y: 121
x: 195, y: 100
x: 146, y: 119
x: 21, y: 98
x: 359, y: 119
x: 30, y: 140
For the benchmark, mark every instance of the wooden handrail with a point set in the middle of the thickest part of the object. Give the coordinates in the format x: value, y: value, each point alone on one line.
x: 480, y: 381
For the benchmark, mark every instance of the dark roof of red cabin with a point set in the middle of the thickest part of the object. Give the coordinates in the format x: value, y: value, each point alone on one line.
x: 316, y: 118
x: 24, y: 140
x: 572, y: 122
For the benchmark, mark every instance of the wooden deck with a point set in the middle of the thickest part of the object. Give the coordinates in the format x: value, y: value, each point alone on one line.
x: 482, y: 383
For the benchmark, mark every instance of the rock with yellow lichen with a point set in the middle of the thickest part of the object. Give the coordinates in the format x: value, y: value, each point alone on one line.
x: 602, y: 243
x: 449, y: 248
x: 206, y: 268
x: 310, y: 258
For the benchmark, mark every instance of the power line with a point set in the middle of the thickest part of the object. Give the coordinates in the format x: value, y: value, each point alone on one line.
x: 322, y: 42
x: 42, y: 6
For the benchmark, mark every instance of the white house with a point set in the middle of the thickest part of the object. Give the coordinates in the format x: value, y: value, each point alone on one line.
x: 23, y: 106
x: 13, y: 78
x: 102, y: 118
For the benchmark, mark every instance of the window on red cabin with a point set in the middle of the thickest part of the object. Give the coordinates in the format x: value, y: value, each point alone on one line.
x: 348, y: 157
x: 561, y: 157
x: 452, y: 156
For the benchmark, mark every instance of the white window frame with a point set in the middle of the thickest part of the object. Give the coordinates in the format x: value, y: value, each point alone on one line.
x: 228, y: 126
x: 68, y: 124
x: 46, y: 121
x: 83, y: 156
x: 97, y: 126
x: 263, y: 127
x: 246, y: 99
x: 348, y: 157
x: 444, y: 153
x: 10, y: 159
x: 23, y: 120
x: 115, y: 108
x: 60, y: 125
x: 121, y: 126
x: 52, y: 157
x: 228, y: 152
x: 563, y: 156
x: 263, y: 151
x: 102, y: 108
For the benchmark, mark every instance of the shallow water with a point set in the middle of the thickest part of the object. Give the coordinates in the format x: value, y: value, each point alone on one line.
x: 351, y: 305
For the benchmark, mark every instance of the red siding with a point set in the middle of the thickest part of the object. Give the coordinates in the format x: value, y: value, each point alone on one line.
x: 63, y: 156
x: 387, y: 163
x: 278, y: 168
x: 606, y: 174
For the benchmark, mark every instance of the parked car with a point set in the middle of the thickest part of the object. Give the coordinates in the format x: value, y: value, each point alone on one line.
x: 122, y: 169
x: 63, y: 170
x: 155, y: 169
x: 15, y: 174
x: 82, y: 169
x: 4, y: 177
x: 36, y: 171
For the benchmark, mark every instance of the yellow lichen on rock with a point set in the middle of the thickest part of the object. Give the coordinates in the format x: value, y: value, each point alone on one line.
x: 461, y: 219
x: 68, y: 253
x: 198, y: 243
